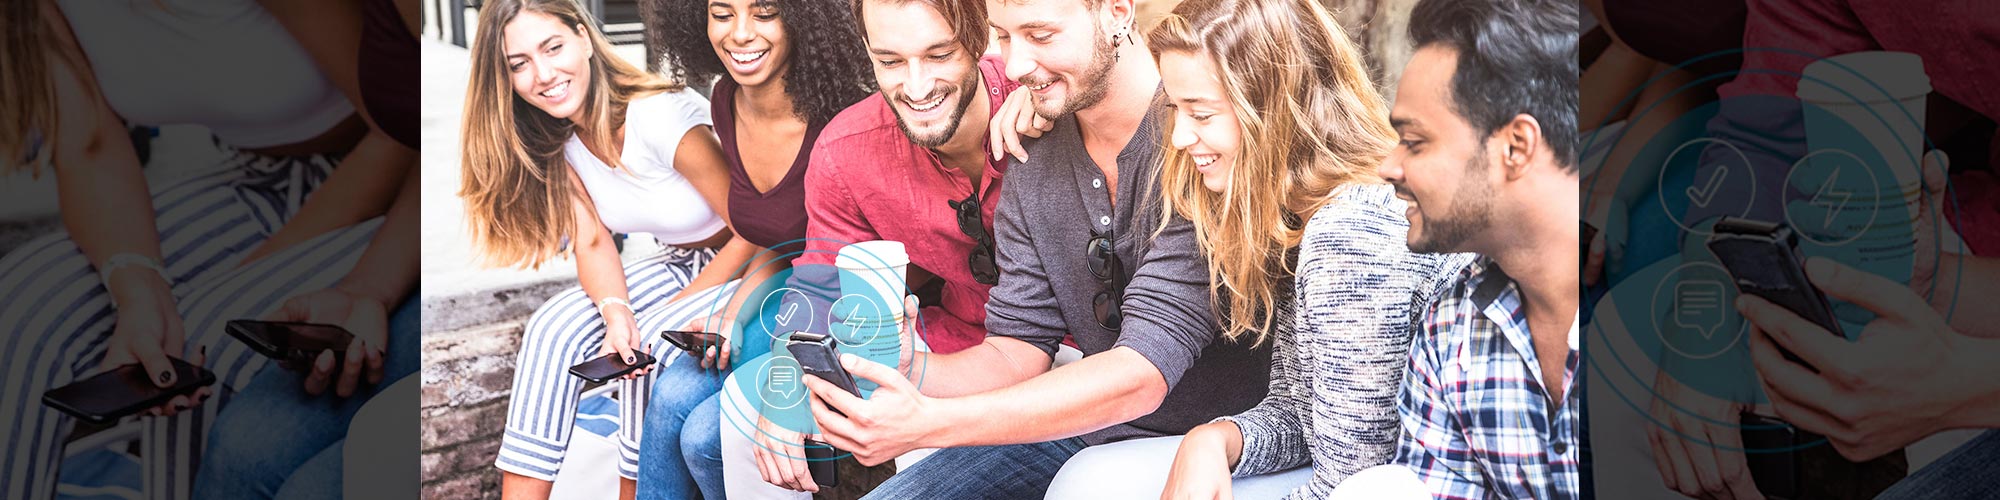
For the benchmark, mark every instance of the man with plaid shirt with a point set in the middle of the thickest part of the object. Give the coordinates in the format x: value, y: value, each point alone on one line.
x: 1486, y: 113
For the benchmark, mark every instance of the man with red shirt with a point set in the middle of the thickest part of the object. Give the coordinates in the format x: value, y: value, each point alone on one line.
x: 907, y: 165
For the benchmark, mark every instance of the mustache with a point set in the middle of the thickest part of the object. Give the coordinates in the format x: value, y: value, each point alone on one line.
x: 935, y: 93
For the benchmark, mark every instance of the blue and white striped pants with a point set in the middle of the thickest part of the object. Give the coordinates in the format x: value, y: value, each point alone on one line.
x: 59, y: 318
x: 541, y: 411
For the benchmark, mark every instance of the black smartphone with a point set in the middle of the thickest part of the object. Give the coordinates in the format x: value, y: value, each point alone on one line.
x: 1770, y: 453
x: 696, y: 343
x: 817, y: 355
x: 610, y: 366
x: 124, y: 391
x: 820, y: 462
x: 298, y: 343
x: 1763, y: 258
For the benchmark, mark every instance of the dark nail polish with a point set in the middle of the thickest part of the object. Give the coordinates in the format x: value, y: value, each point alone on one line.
x: 166, y: 376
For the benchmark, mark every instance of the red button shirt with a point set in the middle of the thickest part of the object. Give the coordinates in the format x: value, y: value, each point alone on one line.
x: 867, y: 181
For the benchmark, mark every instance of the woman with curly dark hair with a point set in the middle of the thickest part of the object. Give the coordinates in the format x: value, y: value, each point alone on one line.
x: 782, y: 70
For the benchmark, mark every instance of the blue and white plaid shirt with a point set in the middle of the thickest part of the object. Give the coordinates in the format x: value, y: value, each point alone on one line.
x: 1477, y: 422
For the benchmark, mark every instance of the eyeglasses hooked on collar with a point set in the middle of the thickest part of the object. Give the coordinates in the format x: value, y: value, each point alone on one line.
x: 1102, y: 254
x: 972, y: 223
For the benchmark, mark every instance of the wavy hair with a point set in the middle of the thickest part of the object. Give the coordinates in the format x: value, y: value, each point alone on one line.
x: 828, y: 69
x: 29, y: 55
x: 516, y: 183
x: 1311, y: 122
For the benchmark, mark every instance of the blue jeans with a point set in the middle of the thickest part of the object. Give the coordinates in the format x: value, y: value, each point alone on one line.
x: 273, y: 441
x: 1966, y: 472
x: 999, y: 472
x: 680, y: 452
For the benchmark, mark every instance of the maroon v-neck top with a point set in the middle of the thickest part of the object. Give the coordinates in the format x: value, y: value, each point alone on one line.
x: 769, y: 218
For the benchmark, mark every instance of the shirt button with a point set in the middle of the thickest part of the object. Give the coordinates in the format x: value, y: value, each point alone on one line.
x: 1561, y: 447
x: 1104, y: 220
x: 1097, y: 183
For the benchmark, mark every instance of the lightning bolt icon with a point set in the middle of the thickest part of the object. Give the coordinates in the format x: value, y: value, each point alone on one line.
x: 1830, y: 199
x: 854, y: 320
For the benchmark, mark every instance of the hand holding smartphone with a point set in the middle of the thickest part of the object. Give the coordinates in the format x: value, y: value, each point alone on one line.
x: 1763, y: 259
x: 610, y: 366
x: 293, y: 343
x: 818, y: 356
x: 124, y: 391
x: 696, y: 343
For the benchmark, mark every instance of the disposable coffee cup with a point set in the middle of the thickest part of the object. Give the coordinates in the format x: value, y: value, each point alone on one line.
x: 875, y: 270
x: 1871, y: 104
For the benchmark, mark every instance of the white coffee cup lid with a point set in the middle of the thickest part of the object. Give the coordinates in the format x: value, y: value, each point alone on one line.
x: 872, y: 255
x: 1900, y: 75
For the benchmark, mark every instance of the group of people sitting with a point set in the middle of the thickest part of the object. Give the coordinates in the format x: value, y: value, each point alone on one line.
x: 1280, y: 284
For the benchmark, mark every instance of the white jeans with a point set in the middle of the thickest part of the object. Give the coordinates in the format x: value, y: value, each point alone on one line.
x: 1383, y: 482
x: 1141, y: 466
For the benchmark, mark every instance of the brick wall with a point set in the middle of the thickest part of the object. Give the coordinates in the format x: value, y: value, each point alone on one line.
x: 467, y: 375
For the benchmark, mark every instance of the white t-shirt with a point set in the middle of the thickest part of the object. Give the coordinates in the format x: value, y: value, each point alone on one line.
x: 227, y: 65
x: 648, y: 195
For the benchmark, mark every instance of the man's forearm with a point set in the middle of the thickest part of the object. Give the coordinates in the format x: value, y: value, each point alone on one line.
x: 1106, y: 389
x: 995, y: 363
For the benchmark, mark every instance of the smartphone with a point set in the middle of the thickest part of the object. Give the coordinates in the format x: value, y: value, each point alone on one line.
x: 820, y: 458
x: 124, y: 391
x: 610, y: 366
x: 696, y: 343
x: 818, y: 356
x: 1776, y: 471
x: 1763, y: 258
x: 298, y: 343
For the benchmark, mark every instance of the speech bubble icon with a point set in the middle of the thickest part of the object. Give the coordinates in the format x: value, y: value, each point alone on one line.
x: 1698, y: 306
x: 784, y: 380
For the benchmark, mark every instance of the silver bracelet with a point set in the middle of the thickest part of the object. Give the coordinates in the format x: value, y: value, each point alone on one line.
x: 129, y: 259
x: 614, y: 301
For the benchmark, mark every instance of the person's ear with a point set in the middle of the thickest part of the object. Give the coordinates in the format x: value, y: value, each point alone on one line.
x: 1520, y: 140
x: 1121, y: 15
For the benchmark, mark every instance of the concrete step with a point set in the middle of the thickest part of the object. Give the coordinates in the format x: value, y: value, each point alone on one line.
x: 467, y: 376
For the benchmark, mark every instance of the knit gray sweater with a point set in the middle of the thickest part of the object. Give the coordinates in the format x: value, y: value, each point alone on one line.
x: 1337, y: 363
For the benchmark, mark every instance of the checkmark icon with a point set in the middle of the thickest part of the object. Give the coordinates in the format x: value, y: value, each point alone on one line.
x: 786, y: 317
x: 1704, y: 195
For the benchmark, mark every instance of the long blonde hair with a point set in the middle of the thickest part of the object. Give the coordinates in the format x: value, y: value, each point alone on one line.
x: 30, y: 54
x: 1311, y: 122
x: 516, y: 185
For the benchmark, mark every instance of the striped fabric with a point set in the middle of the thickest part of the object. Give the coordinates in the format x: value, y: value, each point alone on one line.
x: 1337, y: 365
x: 541, y: 411
x: 60, y: 319
x: 1477, y: 422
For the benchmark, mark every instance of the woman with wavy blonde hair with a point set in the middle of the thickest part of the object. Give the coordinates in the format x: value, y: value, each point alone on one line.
x: 565, y: 144
x: 1275, y: 137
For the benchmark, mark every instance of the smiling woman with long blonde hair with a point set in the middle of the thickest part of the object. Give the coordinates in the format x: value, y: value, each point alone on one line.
x: 1276, y: 134
x: 566, y: 143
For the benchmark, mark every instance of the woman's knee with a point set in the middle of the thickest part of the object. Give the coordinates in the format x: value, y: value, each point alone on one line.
x: 701, y: 435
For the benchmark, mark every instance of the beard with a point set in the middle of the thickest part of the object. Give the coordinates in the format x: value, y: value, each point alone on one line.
x: 932, y: 139
x: 1470, y: 213
x: 1089, y: 88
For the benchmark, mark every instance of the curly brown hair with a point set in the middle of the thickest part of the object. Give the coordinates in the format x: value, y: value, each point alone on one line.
x: 828, y: 69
